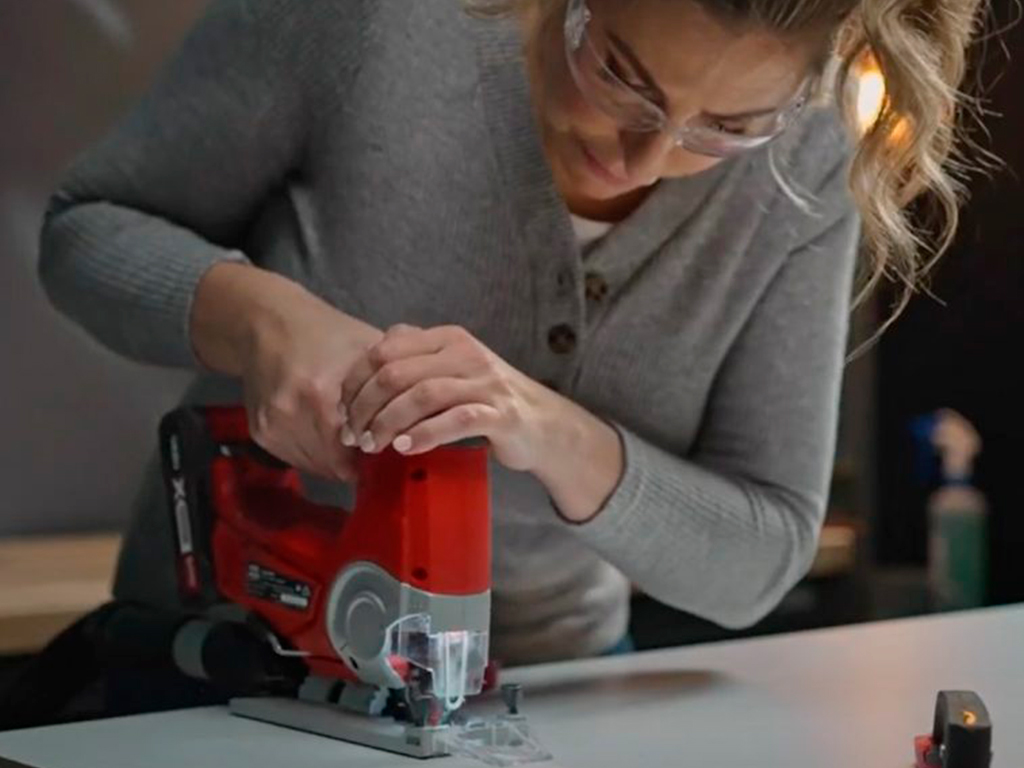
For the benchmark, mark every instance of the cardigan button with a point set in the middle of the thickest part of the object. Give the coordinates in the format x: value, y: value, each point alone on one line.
x: 562, y: 339
x: 595, y: 287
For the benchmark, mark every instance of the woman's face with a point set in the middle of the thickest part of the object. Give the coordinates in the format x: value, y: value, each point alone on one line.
x: 697, y: 69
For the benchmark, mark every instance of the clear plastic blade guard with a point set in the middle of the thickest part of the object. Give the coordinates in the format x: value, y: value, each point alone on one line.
x: 455, y: 662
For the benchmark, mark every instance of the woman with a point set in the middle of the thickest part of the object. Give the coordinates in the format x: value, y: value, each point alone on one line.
x: 616, y: 239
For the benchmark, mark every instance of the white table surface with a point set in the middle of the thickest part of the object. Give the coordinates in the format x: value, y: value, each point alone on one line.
x: 851, y: 697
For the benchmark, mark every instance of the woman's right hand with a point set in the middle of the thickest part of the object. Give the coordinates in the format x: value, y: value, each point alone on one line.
x: 292, y: 351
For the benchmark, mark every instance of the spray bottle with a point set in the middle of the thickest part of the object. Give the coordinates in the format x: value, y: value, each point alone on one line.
x: 957, y: 515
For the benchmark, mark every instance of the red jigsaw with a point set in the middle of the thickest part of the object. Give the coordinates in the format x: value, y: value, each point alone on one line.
x: 398, y: 583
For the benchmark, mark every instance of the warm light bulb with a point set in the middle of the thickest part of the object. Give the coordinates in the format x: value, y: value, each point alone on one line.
x: 870, y: 97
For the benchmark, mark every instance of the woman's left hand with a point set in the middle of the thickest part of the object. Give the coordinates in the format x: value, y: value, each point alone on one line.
x: 417, y: 389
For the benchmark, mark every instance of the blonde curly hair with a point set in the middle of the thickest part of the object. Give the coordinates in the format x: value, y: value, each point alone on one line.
x: 908, y: 167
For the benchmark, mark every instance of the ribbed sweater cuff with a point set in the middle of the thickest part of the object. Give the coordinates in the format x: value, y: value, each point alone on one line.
x: 147, y: 274
x: 654, y: 489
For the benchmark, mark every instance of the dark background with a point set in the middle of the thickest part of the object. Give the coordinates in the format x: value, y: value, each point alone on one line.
x: 967, y: 354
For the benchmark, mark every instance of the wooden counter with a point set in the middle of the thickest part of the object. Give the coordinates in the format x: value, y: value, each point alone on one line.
x: 48, y: 582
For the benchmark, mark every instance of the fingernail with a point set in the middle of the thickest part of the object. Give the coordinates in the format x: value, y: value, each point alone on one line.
x: 343, y: 413
x: 402, y: 443
x: 367, y: 443
x: 348, y: 437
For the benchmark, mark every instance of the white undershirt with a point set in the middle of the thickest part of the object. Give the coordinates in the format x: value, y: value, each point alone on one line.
x: 589, y: 231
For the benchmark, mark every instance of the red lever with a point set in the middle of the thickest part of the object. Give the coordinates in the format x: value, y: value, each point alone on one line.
x: 923, y: 746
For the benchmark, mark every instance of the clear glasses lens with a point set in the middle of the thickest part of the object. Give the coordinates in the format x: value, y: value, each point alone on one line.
x: 602, y: 87
x: 716, y: 144
x: 587, y: 55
